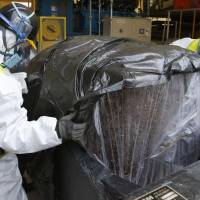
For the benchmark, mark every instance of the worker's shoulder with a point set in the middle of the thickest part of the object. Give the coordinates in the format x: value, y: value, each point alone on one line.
x: 8, y: 85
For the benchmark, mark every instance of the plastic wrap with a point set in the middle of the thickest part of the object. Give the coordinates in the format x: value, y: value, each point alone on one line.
x: 145, y: 134
x: 141, y: 102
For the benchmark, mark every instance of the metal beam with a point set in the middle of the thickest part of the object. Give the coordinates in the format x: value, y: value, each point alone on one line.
x: 148, y: 7
x: 111, y: 15
x: 99, y: 17
x: 194, y: 23
x: 90, y: 17
x: 180, y: 24
x: 168, y: 25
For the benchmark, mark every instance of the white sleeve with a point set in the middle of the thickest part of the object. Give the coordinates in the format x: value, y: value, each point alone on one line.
x: 17, y: 134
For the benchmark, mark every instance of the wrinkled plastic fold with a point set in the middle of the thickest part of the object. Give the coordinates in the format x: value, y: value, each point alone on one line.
x: 141, y: 102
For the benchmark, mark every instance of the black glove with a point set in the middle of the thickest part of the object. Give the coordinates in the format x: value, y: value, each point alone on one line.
x: 69, y: 130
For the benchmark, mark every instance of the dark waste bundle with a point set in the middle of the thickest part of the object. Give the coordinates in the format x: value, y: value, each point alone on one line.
x: 141, y: 102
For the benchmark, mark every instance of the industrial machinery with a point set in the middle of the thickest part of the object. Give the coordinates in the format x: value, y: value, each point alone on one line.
x: 52, y: 30
x: 161, y: 4
x: 137, y: 28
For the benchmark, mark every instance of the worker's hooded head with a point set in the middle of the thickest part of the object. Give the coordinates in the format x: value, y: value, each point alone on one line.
x: 19, y: 19
x: 18, y: 27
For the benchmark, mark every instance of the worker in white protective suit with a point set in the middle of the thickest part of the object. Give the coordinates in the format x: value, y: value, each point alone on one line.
x: 17, y: 134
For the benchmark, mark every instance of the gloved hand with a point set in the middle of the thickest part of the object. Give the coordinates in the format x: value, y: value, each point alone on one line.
x: 69, y: 130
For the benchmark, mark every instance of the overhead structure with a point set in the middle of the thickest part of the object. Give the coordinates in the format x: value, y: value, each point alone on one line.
x: 28, y: 3
x: 181, y: 22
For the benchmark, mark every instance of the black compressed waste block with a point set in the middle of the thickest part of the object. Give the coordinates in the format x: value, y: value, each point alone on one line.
x: 80, y: 180
x: 117, y: 188
x: 141, y: 104
x: 80, y: 176
x: 76, y: 174
x: 184, y: 184
x: 145, y: 134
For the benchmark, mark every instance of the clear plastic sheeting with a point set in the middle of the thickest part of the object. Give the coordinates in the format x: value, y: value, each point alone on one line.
x: 141, y: 102
x: 145, y: 134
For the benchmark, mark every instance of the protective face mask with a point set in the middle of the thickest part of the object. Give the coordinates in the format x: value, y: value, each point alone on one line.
x: 21, y: 22
x: 23, y: 25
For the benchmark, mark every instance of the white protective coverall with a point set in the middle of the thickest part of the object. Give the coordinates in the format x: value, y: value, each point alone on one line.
x: 17, y: 135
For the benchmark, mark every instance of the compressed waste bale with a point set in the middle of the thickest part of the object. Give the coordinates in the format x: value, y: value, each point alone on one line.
x: 140, y: 102
x: 149, y: 131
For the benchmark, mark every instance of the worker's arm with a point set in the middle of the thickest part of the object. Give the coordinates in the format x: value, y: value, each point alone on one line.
x: 17, y: 134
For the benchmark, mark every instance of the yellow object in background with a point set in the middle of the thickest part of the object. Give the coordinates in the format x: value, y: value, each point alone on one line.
x: 52, y: 30
x: 76, y: 1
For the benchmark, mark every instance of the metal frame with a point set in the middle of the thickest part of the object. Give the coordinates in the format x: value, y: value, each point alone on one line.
x: 111, y: 14
x: 99, y: 18
x: 179, y: 30
x: 90, y: 16
x: 148, y: 7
